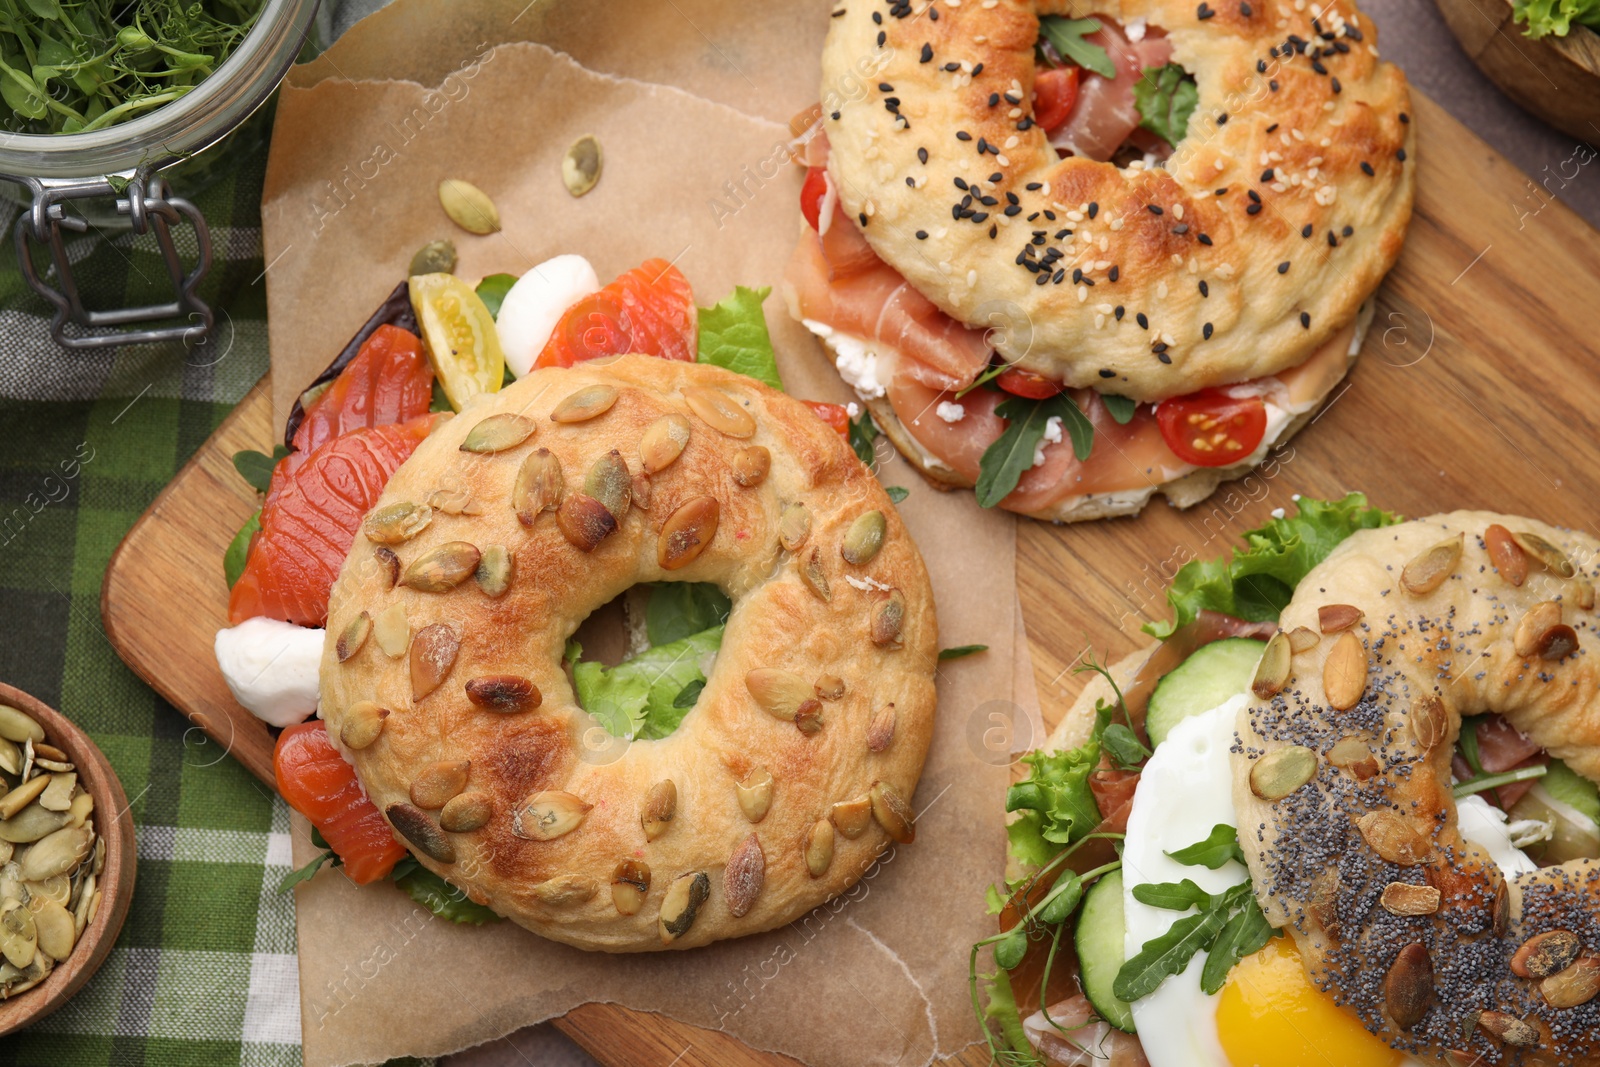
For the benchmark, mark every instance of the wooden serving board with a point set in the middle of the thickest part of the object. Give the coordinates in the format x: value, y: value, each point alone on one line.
x: 1477, y: 389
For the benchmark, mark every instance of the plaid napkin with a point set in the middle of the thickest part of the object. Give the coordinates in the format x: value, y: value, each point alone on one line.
x: 204, y: 972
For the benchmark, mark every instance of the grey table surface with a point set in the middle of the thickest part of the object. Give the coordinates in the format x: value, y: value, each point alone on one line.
x: 1411, y: 34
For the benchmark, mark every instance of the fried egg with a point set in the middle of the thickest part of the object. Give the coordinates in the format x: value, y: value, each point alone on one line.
x: 1267, y: 1014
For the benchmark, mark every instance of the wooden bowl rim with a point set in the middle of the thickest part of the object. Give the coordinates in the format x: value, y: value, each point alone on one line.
x: 116, y: 879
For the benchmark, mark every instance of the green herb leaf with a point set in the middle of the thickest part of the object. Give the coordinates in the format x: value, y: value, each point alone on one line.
x: 1167, y: 955
x: 733, y: 335
x: 1217, y: 849
x: 1257, y: 582
x: 1063, y: 898
x: 993, y: 902
x: 256, y: 467
x: 1056, y: 803
x: 896, y: 493
x: 444, y: 899
x: 1009, y: 951
x: 689, y: 694
x: 863, y: 434
x: 1067, y: 37
x: 1124, y: 746
x: 1001, y: 1010
x: 1004, y: 462
x: 637, y: 697
x: 1468, y: 743
x: 238, y: 553
x: 440, y: 402
x: 1243, y: 935
x: 1544, y: 17
x: 961, y: 650
x: 1479, y: 783
x: 493, y: 289
x: 309, y: 871
x: 1120, y: 407
x: 677, y: 610
x: 1166, y: 97
x: 1174, y: 896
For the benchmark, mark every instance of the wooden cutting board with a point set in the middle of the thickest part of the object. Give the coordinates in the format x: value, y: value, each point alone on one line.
x: 1477, y: 388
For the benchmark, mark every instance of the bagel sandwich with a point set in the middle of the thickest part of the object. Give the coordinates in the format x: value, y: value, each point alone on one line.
x: 1336, y: 843
x: 1075, y: 258
x: 440, y: 529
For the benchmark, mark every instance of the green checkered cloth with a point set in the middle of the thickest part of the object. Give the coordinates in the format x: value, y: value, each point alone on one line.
x: 204, y: 972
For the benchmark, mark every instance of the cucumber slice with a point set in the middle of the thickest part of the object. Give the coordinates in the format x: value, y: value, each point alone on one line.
x: 1099, y: 937
x: 1213, y: 674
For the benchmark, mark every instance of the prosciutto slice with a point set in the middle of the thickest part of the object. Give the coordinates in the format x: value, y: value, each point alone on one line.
x: 1105, y: 114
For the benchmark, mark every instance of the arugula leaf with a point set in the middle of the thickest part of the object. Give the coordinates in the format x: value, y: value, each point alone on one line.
x: 1257, y: 582
x: 444, y: 899
x: 863, y: 434
x: 238, y: 553
x: 1056, y: 802
x: 1217, y: 849
x: 1166, y: 97
x: 1120, y: 407
x: 961, y: 650
x: 677, y: 610
x: 493, y: 289
x: 896, y: 493
x: 256, y: 467
x: 1004, y: 462
x: 1067, y: 37
x: 637, y: 697
x: 1173, y: 896
x: 689, y: 694
x: 309, y: 871
x: 733, y: 335
x: 1244, y: 934
x: 1545, y: 17
x: 1167, y: 955
x: 1124, y: 746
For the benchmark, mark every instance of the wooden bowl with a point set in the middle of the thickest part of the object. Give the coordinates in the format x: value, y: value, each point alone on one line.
x: 1556, y: 78
x: 113, y: 822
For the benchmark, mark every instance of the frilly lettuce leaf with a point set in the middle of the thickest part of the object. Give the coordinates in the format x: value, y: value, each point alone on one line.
x: 733, y: 335
x: 638, y: 697
x: 1543, y: 17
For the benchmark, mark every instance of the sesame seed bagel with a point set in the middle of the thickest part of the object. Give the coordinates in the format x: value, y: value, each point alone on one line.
x: 1279, y: 214
x: 1407, y: 629
x: 518, y: 518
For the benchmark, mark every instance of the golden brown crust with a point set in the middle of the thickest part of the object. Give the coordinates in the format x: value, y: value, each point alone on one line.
x: 561, y: 888
x: 1421, y: 656
x: 1326, y: 130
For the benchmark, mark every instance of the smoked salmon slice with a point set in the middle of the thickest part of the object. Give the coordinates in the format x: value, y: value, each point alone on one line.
x: 388, y: 381
x: 649, y: 309
x: 319, y: 784
x: 315, y: 504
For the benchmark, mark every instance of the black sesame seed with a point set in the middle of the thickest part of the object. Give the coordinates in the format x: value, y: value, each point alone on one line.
x: 955, y: 211
x: 863, y: 218
x: 877, y: 18
x: 834, y: 116
x: 1033, y: 216
x: 988, y: 201
x: 1221, y: 192
x: 1154, y: 209
x: 1042, y: 279
x: 1107, y: 373
x: 927, y: 53
x: 1253, y: 195
x: 1077, y: 275
x: 1159, y: 347
x: 912, y: 182
x: 1401, y: 155
x: 952, y: 67
x: 1204, y: 12
x: 1142, y: 320
x: 977, y: 70
x: 1163, y: 357
x: 1347, y: 231
x: 981, y: 216
x: 961, y: 183
x: 1338, y: 88
x: 1222, y: 119
x: 1305, y: 319
x: 1316, y: 65
x: 1283, y: 268
x: 983, y: 145
x: 882, y: 37
x: 1403, y: 116
x: 1245, y: 10
x: 1205, y: 288
x: 1051, y: 215
x: 1306, y: 230
x: 1013, y: 211
x: 1063, y: 234
x: 1273, y: 85
x: 1268, y: 175
x: 1366, y: 168
x: 1273, y: 128
x: 1011, y: 198
x: 1205, y: 239
x: 1181, y: 228
x: 1026, y: 123
x: 1261, y: 66
x: 1253, y: 209
x: 1333, y: 240
x: 837, y: 13
x: 922, y: 155
x: 885, y: 87
x: 1114, y: 273
x: 1118, y: 311
x: 1060, y: 276
x: 1206, y: 331
x: 1034, y: 186
x: 993, y: 229
x: 998, y: 176
x: 1094, y: 209
x: 933, y: 14
x: 922, y: 235
x: 1013, y: 98
x: 994, y: 99
x: 963, y: 135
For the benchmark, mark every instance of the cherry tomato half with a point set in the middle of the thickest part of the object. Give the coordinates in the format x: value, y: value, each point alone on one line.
x: 812, y: 193
x: 1211, y: 428
x: 835, y: 415
x: 1025, y: 383
x: 1055, y: 91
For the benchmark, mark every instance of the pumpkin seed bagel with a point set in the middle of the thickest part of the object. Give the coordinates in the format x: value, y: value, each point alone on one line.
x: 797, y: 763
x: 1414, y: 626
x: 1285, y: 204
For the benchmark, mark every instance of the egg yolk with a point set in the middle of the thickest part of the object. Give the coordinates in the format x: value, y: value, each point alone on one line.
x: 1270, y: 1015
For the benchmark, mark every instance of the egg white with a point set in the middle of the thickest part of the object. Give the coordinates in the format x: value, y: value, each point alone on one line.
x: 1185, y: 790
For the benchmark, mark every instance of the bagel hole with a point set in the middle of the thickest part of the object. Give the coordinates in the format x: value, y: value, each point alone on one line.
x: 639, y: 662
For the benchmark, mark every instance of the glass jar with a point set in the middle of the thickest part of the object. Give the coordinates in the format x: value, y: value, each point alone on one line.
x: 120, y: 168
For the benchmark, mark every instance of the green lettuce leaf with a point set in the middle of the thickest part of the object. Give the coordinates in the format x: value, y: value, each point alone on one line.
x: 493, y: 289
x: 1257, y: 582
x: 733, y: 335
x: 1166, y: 97
x: 638, y: 697
x: 677, y: 610
x: 1544, y: 17
x: 1056, y: 803
x: 238, y: 553
x: 440, y: 897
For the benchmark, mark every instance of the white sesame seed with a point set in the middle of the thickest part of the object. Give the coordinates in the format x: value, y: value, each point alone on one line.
x: 1194, y: 265
x: 1279, y: 187
x: 1015, y: 113
x: 1002, y: 160
x: 1104, y: 309
x: 1276, y: 157
x: 1011, y: 142
x: 1116, y: 224
x: 1326, y: 195
x: 972, y: 279
x: 1099, y: 320
x: 1298, y: 136
x: 1103, y: 244
x: 1219, y: 165
x: 1083, y: 294
x: 1177, y: 260
x: 1102, y: 264
x: 1167, y: 339
x: 1177, y: 211
x: 1266, y: 157
x: 945, y: 267
x: 1161, y: 291
x: 1225, y: 271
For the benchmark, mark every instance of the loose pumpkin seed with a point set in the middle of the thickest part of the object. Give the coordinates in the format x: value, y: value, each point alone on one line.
x: 454, y: 502
x: 34, y: 822
x: 1272, y: 673
x: 1403, y: 898
x: 466, y: 812
x: 1344, y: 673
x: 362, y: 724
x: 57, y: 853
x: 779, y: 693
x: 830, y: 687
x: 439, y: 783
x: 1430, y: 723
x: 888, y: 616
x: 852, y: 817
x: 893, y: 813
x: 18, y: 936
x: 1303, y: 639
x: 564, y: 890
x: 1394, y: 839
x: 808, y: 719
x: 18, y: 726
x: 815, y: 578
x: 581, y: 166
x: 505, y: 693
x: 1552, y: 558
x: 794, y: 526
x: 22, y: 796
x: 880, y: 731
x: 1510, y: 562
x: 609, y: 482
x: 499, y: 432
x: 53, y: 928
x: 435, y: 257
x: 750, y: 465
x: 1577, y: 985
x: 388, y: 565
x: 468, y: 207
x: 1503, y: 1026
x: 57, y: 796
x: 1546, y: 954
x: 1408, y: 987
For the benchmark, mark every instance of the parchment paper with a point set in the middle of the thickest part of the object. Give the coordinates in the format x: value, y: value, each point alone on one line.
x: 695, y: 172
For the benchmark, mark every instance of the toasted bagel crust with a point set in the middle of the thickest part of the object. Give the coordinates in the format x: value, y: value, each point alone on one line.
x: 562, y: 887
x: 1327, y: 129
